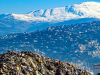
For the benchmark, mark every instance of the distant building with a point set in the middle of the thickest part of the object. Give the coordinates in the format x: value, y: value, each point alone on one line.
x: 97, y: 69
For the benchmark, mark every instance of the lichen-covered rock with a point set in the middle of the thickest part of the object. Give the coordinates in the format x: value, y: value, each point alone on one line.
x: 28, y: 63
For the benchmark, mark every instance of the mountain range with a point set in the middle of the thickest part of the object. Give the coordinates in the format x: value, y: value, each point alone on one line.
x: 40, y: 19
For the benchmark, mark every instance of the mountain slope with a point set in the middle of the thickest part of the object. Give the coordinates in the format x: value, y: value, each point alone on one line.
x: 78, y: 43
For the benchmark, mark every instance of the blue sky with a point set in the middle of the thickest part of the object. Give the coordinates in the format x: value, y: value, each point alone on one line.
x: 25, y: 6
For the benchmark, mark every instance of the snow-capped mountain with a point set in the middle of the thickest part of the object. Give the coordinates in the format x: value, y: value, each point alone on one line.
x: 40, y: 19
x: 75, y: 11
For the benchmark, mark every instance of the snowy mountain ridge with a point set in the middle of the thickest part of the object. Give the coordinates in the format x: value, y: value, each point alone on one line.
x: 75, y: 11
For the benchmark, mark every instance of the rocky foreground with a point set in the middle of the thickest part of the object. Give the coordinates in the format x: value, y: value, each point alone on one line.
x: 28, y: 63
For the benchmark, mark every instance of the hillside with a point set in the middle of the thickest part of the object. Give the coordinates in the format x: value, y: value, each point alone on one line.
x: 77, y: 43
